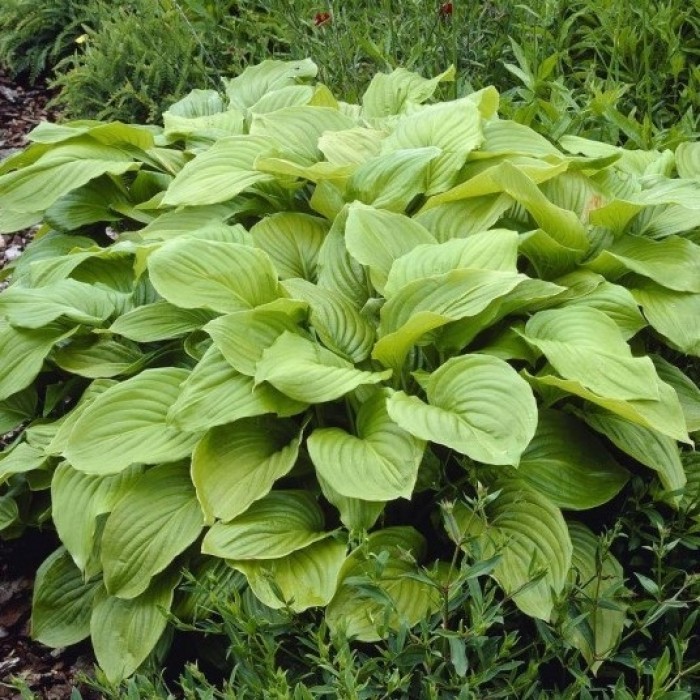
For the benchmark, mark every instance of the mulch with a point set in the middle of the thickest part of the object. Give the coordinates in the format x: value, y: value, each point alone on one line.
x: 48, y: 673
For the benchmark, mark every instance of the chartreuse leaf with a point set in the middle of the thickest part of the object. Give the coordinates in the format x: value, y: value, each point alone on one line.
x: 688, y: 392
x: 454, y: 127
x: 477, y: 405
x: 399, y: 599
x: 585, y: 345
x: 351, y: 147
x: 243, y: 336
x: 289, y: 96
x: 21, y: 459
x: 156, y: 519
x: 17, y: 408
x: 530, y: 536
x: 77, y: 500
x: 355, y: 514
x: 688, y: 160
x: 337, y: 269
x: 62, y: 602
x: 664, y: 415
x: 567, y: 463
x: 380, y: 463
x: 159, y: 321
x: 237, y: 464
x: 58, y: 171
x: 9, y: 512
x: 219, y: 173
x: 292, y: 240
x: 395, y: 92
x: 339, y: 325
x: 676, y: 315
x: 259, y: 80
x: 600, y: 578
x: 124, y: 632
x: 649, y: 447
x: 224, y: 277
x: 306, y: 578
x: 308, y: 372
x: 215, y: 394
x: 127, y: 424
x: 274, y: 526
x: 673, y: 262
x: 114, y: 133
x: 428, y: 303
x: 392, y: 180
x: 96, y: 357
x: 376, y: 238
x: 295, y: 131
x: 505, y: 137
x: 496, y: 249
x: 23, y: 352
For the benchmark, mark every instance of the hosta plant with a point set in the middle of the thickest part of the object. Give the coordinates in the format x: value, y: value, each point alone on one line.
x: 336, y: 348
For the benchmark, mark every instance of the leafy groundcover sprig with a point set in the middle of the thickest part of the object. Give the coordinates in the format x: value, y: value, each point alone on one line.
x: 329, y: 343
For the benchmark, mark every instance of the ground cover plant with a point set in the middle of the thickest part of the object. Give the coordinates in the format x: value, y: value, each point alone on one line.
x: 355, y: 358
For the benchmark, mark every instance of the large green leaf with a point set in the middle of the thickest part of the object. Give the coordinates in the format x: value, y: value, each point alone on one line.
x: 477, y: 405
x: 308, y: 372
x: 393, y: 180
x: 272, y: 527
x: 305, y: 578
x: 124, y: 632
x: 77, y: 501
x: 237, y: 464
x: 651, y: 448
x: 600, y: 578
x: 220, y: 173
x: 530, y: 536
x: 23, y: 352
x: 243, y: 336
x: 215, y: 394
x: 376, y: 238
x: 672, y: 262
x: 17, y: 408
x: 664, y: 415
x: 339, y: 325
x: 224, y: 277
x: 20, y: 459
x: 676, y: 315
x: 258, y: 80
x: 62, y: 602
x: 292, y: 240
x: 585, y: 345
x: 398, y: 91
x: 354, y: 513
x: 496, y: 249
x: 156, y: 518
x: 95, y: 357
x: 454, y: 127
x: 400, y: 599
x: 688, y: 392
x: 428, y: 303
x: 380, y: 463
x: 569, y: 465
x: 127, y: 424
x: 159, y: 321
x: 60, y: 170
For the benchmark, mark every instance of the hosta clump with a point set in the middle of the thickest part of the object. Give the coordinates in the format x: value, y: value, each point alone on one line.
x: 273, y: 330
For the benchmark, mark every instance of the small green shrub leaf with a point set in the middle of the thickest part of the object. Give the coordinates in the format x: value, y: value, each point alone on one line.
x: 272, y: 527
x: 159, y: 321
x: 477, y: 405
x: 156, y: 518
x: 379, y: 464
x: 127, y: 424
x: 235, y: 465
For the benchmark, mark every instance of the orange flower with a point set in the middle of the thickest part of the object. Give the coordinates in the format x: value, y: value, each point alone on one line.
x: 322, y: 18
